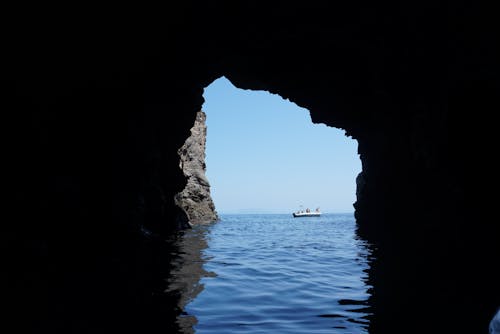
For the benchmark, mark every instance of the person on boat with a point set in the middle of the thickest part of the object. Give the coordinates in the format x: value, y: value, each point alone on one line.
x: 307, y: 210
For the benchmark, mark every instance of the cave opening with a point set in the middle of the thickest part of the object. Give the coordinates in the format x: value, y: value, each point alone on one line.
x: 265, y: 159
x: 265, y: 155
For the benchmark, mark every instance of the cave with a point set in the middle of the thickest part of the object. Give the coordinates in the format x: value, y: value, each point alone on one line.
x: 96, y: 103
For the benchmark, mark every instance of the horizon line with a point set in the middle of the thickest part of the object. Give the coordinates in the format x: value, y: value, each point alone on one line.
x: 259, y: 212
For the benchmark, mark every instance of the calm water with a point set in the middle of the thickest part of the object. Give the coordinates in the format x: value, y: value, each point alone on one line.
x: 273, y: 274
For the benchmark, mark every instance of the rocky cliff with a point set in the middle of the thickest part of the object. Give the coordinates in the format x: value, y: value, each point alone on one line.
x: 195, y: 199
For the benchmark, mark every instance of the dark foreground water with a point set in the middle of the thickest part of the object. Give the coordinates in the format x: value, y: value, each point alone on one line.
x: 273, y: 274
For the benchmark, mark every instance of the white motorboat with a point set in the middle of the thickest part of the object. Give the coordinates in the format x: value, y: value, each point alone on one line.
x: 307, y: 213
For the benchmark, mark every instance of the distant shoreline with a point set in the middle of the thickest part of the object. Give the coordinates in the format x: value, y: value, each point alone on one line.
x: 279, y: 213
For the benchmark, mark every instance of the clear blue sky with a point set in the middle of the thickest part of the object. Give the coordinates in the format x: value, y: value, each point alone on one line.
x: 264, y: 155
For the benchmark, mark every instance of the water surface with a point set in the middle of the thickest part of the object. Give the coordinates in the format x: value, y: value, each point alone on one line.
x: 273, y: 274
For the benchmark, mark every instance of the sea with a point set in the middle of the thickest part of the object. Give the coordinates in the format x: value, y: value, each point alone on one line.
x: 272, y: 273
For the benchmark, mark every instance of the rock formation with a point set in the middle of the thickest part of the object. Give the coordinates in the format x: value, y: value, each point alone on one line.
x: 195, y: 199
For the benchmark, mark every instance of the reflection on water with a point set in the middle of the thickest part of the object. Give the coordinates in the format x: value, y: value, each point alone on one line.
x: 272, y: 273
x: 184, y: 282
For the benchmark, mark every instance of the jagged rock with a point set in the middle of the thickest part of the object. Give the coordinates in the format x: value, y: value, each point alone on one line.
x: 195, y: 199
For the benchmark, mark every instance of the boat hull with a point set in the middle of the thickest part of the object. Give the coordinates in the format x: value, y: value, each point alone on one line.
x: 307, y: 214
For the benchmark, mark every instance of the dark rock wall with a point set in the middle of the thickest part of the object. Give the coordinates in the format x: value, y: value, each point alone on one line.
x: 96, y: 103
x: 195, y: 198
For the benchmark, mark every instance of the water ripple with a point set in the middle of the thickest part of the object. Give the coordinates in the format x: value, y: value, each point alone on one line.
x: 276, y: 274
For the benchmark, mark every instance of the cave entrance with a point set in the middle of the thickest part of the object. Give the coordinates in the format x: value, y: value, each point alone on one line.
x: 264, y: 155
x: 260, y: 267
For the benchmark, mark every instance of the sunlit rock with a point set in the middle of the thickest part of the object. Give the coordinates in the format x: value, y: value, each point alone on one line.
x: 195, y: 199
